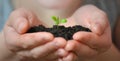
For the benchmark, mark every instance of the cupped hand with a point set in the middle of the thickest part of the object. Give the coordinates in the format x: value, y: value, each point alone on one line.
x: 40, y: 46
x: 86, y: 45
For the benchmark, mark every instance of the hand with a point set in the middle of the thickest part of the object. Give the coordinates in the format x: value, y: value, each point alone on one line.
x: 31, y: 46
x: 87, y: 45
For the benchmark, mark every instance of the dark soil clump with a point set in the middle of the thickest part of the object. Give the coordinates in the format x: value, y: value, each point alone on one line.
x: 59, y: 31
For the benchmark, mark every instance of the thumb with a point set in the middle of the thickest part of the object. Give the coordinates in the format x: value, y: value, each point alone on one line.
x: 92, y: 17
x: 21, y: 20
x: 21, y: 25
x: 97, y: 20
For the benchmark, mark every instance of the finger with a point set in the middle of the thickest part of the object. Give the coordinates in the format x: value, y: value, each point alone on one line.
x: 48, y: 48
x: 93, y: 40
x: 27, y: 55
x: 70, y: 45
x: 70, y: 57
x: 83, y: 50
x: 17, y: 42
x: 20, y: 25
x: 57, y: 54
x: 54, y: 55
x: 34, y: 39
x: 22, y: 19
x: 80, y: 49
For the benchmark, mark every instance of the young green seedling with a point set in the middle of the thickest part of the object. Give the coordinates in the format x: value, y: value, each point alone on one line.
x: 58, y: 21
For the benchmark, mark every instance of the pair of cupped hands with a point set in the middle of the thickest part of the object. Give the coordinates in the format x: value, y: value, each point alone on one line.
x: 43, y: 46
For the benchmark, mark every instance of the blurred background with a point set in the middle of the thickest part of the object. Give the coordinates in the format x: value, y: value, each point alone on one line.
x: 111, y: 7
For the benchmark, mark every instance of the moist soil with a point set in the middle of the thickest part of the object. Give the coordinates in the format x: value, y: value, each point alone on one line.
x: 59, y: 31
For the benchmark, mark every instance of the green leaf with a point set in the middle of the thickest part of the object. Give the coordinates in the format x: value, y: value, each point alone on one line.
x: 54, y: 18
x: 58, y: 21
x: 63, y: 21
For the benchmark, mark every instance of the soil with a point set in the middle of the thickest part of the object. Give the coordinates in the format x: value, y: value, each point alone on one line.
x: 59, y: 31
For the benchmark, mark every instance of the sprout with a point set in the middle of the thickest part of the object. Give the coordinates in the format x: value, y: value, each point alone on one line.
x: 58, y: 21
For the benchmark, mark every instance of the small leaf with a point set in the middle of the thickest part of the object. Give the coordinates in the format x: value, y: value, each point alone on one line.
x: 54, y: 18
x: 63, y: 21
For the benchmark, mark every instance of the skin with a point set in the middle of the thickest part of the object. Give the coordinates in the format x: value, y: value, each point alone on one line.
x: 39, y: 46
x: 48, y: 48
x: 92, y: 43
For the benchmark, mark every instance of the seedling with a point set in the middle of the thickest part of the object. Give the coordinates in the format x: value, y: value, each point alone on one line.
x: 58, y: 21
x: 59, y: 31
